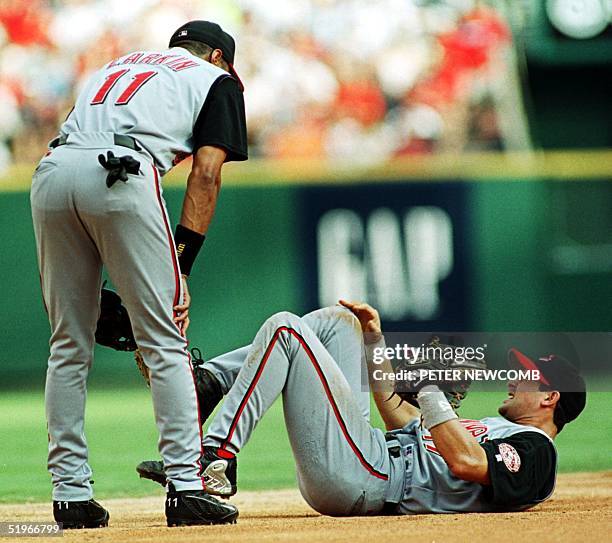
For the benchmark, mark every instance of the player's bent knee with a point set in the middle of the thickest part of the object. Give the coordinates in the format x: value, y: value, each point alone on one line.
x: 284, y: 318
x: 74, y: 357
x: 344, y: 315
x: 335, y: 314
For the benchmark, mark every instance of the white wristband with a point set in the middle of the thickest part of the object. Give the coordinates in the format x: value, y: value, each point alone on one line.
x: 434, y: 406
x: 379, y: 345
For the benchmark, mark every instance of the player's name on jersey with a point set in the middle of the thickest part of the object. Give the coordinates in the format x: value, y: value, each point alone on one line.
x: 175, y: 62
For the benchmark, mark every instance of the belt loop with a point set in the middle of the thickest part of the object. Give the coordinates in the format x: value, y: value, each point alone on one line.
x: 60, y: 140
x: 395, y: 451
x: 126, y: 141
x: 393, y: 445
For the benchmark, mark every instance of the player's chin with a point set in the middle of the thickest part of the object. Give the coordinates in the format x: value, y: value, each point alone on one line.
x: 504, y: 410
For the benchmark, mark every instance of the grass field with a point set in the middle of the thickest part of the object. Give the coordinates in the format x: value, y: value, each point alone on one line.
x: 121, y: 432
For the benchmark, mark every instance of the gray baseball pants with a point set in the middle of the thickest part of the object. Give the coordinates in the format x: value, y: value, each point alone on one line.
x: 315, y: 363
x: 81, y: 226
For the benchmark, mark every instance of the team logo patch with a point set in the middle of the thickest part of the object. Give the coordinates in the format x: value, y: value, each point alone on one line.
x: 510, y: 457
x: 182, y: 33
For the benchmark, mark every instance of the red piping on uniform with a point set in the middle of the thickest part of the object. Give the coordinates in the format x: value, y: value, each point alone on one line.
x: 328, y: 393
x: 170, y: 240
x: 177, y: 291
x: 225, y: 454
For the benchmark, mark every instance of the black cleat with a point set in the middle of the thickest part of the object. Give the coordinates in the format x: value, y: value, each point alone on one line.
x: 208, y: 387
x: 85, y: 514
x: 192, y: 507
x: 219, y: 473
x: 153, y: 470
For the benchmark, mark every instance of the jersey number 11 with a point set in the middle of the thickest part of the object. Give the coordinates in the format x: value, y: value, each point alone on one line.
x: 111, y: 80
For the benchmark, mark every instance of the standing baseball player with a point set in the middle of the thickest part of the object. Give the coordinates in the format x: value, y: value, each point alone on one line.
x: 97, y: 201
x: 429, y: 461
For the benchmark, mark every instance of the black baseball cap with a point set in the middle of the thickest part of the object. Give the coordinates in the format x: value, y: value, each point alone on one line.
x: 210, y: 34
x: 556, y: 373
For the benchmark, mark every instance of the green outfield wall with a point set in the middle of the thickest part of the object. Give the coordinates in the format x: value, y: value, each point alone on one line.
x: 528, y: 254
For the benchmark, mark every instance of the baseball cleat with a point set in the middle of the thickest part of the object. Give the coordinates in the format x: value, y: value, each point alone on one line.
x: 194, y: 507
x: 219, y: 472
x: 208, y: 387
x: 153, y: 470
x: 83, y: 514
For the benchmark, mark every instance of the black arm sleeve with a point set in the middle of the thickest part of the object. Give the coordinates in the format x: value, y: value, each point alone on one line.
x: 222, y: 121
x: 522, y: 469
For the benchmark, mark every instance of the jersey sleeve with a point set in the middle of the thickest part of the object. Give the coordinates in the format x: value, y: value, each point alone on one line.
x: 522, y: 469
x: 222, y: 120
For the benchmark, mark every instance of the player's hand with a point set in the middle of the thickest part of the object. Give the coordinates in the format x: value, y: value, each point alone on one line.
x: 368, y: 318
x: 181, y: 311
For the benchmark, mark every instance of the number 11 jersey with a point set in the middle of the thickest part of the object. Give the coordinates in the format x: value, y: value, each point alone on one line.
x: 171, y: 102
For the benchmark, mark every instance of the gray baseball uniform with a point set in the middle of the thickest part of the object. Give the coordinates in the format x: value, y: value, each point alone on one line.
x: 346, y: 467
x: 342, y: 462
x: 157, y: 103
x: 430, y: 487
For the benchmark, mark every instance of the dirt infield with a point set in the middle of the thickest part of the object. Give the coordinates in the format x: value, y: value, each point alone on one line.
x: 581, y: 510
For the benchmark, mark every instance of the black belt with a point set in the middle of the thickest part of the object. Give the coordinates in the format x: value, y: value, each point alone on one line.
x: 120, y: 139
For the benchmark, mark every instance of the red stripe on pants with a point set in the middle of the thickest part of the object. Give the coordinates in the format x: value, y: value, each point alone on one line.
x: 177, y: 291
x: 328, y: 393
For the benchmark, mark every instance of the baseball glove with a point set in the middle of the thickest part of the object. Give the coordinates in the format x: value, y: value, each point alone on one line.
x: 142, y: 367
x: 429, y: 368
x: 114, y: 329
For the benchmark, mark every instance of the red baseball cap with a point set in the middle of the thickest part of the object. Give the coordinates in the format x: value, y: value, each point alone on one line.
x: 556, y: 373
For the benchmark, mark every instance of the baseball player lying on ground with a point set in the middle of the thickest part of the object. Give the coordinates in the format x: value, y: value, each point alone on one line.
x: 429, y: 461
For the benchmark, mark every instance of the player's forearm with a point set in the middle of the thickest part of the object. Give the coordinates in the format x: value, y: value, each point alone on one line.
x: 394, y: 413
x: 200, y: 200
x: 464, y: 456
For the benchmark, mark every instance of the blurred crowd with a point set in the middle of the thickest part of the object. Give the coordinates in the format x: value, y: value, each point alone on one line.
x: 356, y: 80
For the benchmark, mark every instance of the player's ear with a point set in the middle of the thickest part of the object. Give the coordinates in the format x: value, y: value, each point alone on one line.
x: 216, y: 56
x: 550, y: 399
